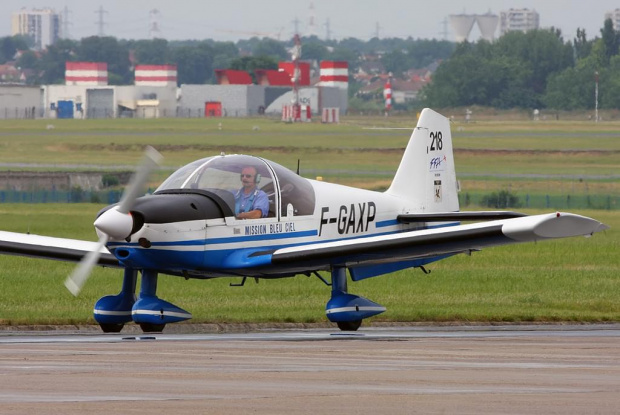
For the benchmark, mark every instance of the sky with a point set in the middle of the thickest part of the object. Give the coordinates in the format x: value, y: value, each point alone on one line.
x: 241, y: 19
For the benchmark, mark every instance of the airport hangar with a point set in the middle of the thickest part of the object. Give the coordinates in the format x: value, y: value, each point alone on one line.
x: 87, y: 94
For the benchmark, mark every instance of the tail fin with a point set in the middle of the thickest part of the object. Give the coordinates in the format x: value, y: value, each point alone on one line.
x: 426, y: 174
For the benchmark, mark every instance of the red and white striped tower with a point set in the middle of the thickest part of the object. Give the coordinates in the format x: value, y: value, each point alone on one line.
x: 296, y: 77
x: 335, y: 74
x: 156, y: 75
x: 86, y: 73
x: 387, y: 94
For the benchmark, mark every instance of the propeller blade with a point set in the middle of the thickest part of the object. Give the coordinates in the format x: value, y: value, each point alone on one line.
x: 78, y: 277
x: 113, y: 222
x: 151, y: 159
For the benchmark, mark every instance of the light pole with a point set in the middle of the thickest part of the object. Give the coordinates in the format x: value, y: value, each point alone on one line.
x: 595, y: 96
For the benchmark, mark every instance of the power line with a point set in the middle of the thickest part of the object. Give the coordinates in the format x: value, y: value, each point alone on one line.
x: 328, y: 30
x: 154, y: 30
x: 65, y: 23
x: 100, y: 22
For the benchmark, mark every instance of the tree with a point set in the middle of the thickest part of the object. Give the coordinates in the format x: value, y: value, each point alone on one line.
x: 543, y: 50
x: 611, y: 40
x: 423, y: 52
x: 346, y: 55
x: 9, y: 46
x: 194, y: 64
x: 472, y: 80
x: 581, y: 44
x: 511, y: 72
x: 572, y: 88
x: 314, y: 51
x: 28, y: 60
x: 53, y: 61
x: 152, y: 52
x: 396, y: 61
x: 223, y: 55
x: 271, y: 48
x: 108, y: 50
x: 251, y: 63
x: 610, y: 84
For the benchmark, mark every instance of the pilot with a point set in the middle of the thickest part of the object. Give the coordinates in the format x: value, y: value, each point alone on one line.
x: 250, y: 201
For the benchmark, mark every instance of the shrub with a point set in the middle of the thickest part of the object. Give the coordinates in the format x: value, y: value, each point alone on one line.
x: 501, y: 200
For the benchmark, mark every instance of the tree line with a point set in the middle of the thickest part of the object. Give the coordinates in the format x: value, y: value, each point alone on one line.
x: 196, y: 60
x: 536, y: 69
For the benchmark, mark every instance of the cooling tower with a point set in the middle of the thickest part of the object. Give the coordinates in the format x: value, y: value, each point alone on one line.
x: 488, y: 25
x: 462, y: 25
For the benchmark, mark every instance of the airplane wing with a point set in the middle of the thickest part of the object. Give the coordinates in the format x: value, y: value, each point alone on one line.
x: 458, y: 216
x: 47, y: 247
x: 439, y: 241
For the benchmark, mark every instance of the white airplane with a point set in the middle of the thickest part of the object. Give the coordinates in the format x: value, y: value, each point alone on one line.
x: 188, y: 228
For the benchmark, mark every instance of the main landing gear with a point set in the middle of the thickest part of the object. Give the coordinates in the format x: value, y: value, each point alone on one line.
x: 348, y: 310
x: 112, y: 312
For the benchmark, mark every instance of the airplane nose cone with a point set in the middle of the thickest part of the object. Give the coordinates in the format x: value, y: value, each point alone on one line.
x: 115, y: 224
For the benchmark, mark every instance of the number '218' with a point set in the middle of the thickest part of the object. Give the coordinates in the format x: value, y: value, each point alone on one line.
x: 437, y: 142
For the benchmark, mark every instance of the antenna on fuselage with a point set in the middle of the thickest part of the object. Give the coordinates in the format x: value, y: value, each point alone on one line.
x: 298, y: 167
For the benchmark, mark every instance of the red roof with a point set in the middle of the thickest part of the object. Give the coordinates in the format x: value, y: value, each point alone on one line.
x: 86, y: 66
x: 334, y: 65
x: 232, y: 77
x: 304, y: 71
x: 156, y: 67
x: 272, y: 77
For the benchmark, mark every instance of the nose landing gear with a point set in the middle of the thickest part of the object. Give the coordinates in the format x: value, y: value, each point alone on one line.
x: 149, y: 311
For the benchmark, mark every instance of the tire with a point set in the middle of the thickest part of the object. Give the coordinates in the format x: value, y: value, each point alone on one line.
x: 152, y: 328
x: 111, y: 328
x: 349, y: 325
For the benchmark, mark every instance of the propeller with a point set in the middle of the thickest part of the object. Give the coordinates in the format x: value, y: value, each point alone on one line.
x: 116, y: 222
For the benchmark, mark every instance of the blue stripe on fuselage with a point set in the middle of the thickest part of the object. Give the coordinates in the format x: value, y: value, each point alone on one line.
x: 267, y: 237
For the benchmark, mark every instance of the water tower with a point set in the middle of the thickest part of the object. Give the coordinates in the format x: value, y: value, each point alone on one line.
x: 462, y: 25
x: 488, y: 25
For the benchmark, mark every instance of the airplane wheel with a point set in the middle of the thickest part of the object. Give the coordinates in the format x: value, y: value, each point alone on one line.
x: 111, y: 328
x: 152, y: 328
x: 349, y: 325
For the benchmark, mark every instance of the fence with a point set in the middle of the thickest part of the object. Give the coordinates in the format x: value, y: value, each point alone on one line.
x: 141, y: 112
x: 541, y: 201
x: 555, y: 202
x: 57, y: 196
x: 20, y: 113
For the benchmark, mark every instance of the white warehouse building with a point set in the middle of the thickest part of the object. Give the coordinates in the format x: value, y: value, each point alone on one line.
x: 87, y: 95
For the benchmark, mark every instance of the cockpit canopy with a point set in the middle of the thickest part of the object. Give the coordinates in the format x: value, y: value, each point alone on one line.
x: 288, y: 193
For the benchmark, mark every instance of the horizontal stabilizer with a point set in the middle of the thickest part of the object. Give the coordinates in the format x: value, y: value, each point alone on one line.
x: 460, y: 216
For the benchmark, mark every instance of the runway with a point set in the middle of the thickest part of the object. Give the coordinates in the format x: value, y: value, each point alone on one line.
x: 562, y: 369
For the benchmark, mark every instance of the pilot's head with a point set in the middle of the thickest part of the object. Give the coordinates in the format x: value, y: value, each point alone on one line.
x: 248, y: 177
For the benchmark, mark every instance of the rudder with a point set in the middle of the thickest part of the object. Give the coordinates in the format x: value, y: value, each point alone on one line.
x: 426, y: 174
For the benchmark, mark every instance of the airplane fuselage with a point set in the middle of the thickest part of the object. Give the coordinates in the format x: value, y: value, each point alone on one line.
x: 225, y: 245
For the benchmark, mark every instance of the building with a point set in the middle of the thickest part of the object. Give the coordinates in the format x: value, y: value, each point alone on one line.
x: 20, y: 101
x: 233, y: 100
x: 86, y: 93
x: 518, y: 20
x: 41, y: 25
x: 462, y: 25
x: 615, y: 18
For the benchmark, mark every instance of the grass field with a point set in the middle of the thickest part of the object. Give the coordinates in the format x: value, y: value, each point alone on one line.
x: 349, y: 153
x: 565, y: 280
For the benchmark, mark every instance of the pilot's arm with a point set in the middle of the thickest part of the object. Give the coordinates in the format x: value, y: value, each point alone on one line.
x: 260, y: 207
